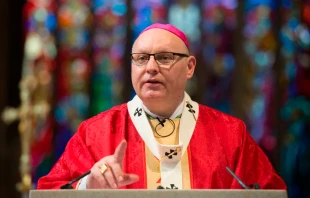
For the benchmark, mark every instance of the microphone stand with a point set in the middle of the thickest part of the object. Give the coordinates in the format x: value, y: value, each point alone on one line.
x: 69, y: 184
x: 255, y: 186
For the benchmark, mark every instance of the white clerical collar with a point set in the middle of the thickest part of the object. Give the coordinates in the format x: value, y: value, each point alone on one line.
x: 175, y: 114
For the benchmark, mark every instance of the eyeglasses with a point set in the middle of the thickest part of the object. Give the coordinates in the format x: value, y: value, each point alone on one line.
x: 163, y: 59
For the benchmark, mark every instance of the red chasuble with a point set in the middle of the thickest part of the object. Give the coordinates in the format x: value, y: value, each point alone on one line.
x: 219, y: 140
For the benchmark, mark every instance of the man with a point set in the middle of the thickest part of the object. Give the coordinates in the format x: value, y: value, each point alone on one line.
x: 162, y: 137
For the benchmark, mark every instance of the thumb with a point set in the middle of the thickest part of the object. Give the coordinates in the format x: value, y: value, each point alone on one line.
x: 120, y: 151
x: 129, y: 179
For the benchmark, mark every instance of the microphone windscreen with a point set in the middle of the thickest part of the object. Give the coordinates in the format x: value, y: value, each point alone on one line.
x: 160, y: 187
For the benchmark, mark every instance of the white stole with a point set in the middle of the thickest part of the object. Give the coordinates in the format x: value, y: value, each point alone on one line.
x: 170, y: 167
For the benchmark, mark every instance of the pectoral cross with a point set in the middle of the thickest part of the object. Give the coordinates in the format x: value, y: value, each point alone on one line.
x: 27, y: 114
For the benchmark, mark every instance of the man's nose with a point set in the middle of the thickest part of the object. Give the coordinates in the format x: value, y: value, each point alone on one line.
x: 152, y: 66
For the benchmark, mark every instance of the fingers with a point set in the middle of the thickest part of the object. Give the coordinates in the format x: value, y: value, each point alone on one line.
x: 112, y: 176
x: 115, y: 174
x: 129, y: 179
x: 116, y: 178
x: 117, y: 171
x: 96, y: 180
x: 120, y: 151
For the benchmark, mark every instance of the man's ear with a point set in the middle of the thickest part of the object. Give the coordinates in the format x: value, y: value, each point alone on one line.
x: 191, y: 65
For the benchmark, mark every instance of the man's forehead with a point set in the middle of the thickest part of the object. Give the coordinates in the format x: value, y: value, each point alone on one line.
x: 155, y: 35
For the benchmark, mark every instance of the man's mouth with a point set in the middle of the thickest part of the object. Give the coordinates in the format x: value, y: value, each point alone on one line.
x: 152, y: 81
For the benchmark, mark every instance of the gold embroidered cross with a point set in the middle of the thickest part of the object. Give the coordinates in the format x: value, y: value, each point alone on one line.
x: 174, y: 152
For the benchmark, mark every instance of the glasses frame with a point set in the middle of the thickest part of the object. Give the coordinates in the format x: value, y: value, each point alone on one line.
x: 162, y: 65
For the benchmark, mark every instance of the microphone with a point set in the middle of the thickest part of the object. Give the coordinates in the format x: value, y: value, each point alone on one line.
x: 160, y: 187
x: 161, y: 122
x: 69, y: 184
x: 255, y: 186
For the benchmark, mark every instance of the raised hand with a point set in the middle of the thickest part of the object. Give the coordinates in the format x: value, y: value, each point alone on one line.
x: 108, y: 172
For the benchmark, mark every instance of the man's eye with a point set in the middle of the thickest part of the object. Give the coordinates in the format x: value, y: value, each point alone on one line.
x: 142, y: 58
x: 165, y: 57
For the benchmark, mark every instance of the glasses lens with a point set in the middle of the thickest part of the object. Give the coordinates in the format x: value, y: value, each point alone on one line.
x: 164, y: 58
x: 140, y: 59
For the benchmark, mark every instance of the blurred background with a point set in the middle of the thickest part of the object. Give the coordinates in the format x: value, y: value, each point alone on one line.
x: 66, y: 60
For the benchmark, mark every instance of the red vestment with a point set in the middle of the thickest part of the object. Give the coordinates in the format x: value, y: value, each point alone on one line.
x: 219, y: 140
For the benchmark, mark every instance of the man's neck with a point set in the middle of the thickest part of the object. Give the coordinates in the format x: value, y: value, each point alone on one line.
x: 162, y: 114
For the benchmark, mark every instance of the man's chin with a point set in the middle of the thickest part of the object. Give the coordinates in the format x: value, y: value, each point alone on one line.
x: 152, y: 95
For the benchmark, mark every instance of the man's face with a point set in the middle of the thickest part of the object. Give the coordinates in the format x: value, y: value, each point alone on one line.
x: 153, y: 83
